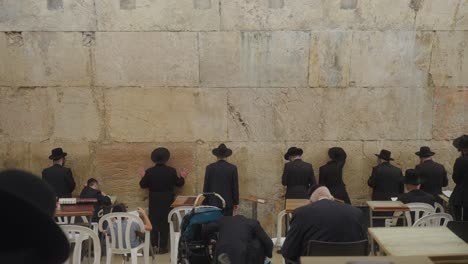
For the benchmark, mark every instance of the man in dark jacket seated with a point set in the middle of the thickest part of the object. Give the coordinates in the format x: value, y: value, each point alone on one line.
x: 241, y: 241
x: 412, y: 183
x: 322, y: 220
x: 91, y: 190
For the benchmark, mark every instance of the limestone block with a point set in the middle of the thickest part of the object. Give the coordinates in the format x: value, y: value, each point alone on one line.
x: 146, y: 59
x: 45, y: 59
x: 329, y: 63
x: 16, y: 155
x: 404, y: 154
x: 461, y: 18
x: 274, y: 114
x: 118, y: 165
x: 437, y: 14
x: 76, y: 113
x: 395, y: 59
x: 377, y: 113
x: 449, y: 66
x: 165, y: 114
x: 450, y: 113
x: 150, y: 15
x: 33, y: 15
x: 254, y: 59
x: 369, y: 15
x: 5, y: 74
x: 259, y: 15
x: 25, y: 114
x: 78, y: 159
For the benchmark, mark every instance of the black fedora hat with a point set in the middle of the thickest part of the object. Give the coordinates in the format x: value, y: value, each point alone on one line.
x: 30, y: 230
x: 424, y: 152
x: 385, y: 155
x: 222, y: 151
x: 160, y: 155
x: 412, y: 177
x: 57, y: 153
x: 461, y: 142
x: 337, y: 153
x: 293, y: 151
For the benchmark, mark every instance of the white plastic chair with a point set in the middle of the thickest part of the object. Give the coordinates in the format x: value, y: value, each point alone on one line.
x: 419, y: 210
x: 279, y: 239
x: 78, y: 234
x: 437, y: 219
x: 65, y: 220
x: 175, y: 219
x: 439, y: 208
x: 116, y: 246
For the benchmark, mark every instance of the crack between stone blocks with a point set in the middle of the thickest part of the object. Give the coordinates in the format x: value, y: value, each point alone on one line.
x: 95, y: 15
x: 308, y: 62
x: 199, y: 59
x: 220, y: 18
x: 457, y: 9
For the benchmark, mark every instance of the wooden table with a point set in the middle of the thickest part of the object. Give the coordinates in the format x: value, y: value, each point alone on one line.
x: 75, y: 210
x: 255, y: 201
x: 293, y: 204
x: 384, y: 206
x: 437, y: 242
x: 345, y: 260
x: 185, y: 201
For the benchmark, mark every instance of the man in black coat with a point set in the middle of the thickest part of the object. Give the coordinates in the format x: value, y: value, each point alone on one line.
x: 459, y: 197
x: 241, y: 241
x: 298, y: 175
x: 433, y: 174
x: 412, y: 183
x: 58, y: 176
x: 91, y: 190
x: 322, y: 220
x: 386, y: 179
x: 331, y: 174
x: 221, y: 177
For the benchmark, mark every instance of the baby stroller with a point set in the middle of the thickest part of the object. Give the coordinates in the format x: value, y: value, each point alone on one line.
x: 194, y: 240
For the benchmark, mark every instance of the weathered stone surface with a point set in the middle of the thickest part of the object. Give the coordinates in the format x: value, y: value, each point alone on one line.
x: 395, y: 59
x: 330, y: 54
x: 274, y: 114
x: 461, y: 18
x: 257, y: 15
x: 254, y: 59
x: 449, y: 64
x: 146, y: 58
x: 450, y: 113
x: 33, y: 15
x: 45, y: 59
x: 76, y: 113
x: 404, y: 154
x: 118, y: 165
x: 25, y: 114
x: 437, y: 14
x: 165, y: 115
x: 317, y: 15
x: 150, y: 15
x: 377, y: 113
x: 78, y: 160
x: 16, y: 155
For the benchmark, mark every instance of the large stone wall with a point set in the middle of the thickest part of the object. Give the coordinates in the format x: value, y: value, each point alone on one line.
x: 110, y: 80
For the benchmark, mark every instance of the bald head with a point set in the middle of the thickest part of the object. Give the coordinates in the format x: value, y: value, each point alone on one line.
x: 320, y: 193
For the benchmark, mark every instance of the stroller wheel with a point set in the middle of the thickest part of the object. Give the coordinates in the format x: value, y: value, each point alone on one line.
x: 183, y: 261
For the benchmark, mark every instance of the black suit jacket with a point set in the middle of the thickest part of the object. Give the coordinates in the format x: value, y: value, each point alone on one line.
x: 161, y: 178
x: 61, y: 180
x: 331, y: 175
x: 221, y: 177
x: 386, y: 181
x: 88, y: 192
x: 459, y: 196
x: 298, y: 176
x: 417, y: 196
x: 434, y: 177
x: 326, y: 221
x: 248, y: 243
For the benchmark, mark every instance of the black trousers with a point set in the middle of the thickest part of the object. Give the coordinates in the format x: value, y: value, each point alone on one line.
x: 460, y: 213
x: 159, y: 208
